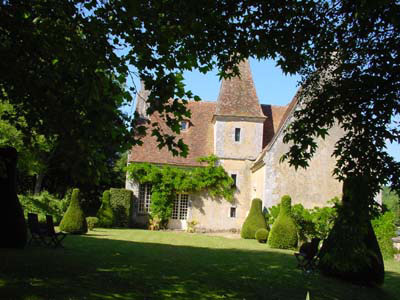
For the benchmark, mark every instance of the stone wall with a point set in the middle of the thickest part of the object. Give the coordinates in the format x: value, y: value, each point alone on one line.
x: 311, y: 187
x: 214, y: 214
x: 258, y: 181
x: 251, y: 134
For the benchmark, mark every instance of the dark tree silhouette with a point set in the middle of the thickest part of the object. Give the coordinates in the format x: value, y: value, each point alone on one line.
x: 12, y: 222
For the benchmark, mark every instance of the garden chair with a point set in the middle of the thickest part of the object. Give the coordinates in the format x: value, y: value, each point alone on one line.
x: 307, y: 256
x: 38, y: 234
x: 54, y: 237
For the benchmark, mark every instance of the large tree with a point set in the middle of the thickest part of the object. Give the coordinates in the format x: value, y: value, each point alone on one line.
x: 66, y: 52
x: 60, y: 71
x: 57, y: 73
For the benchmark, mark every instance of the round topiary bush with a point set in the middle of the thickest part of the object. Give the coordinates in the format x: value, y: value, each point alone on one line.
x: 254, y: 221
x: 262, y: 235
x: 105, y: 213
x: 283, y: 233
x: 74, y: 220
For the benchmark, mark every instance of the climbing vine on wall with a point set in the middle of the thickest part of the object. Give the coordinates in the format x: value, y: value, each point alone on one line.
x: 167, y: 181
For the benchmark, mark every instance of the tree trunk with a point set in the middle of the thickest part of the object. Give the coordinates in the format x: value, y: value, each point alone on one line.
x: 38, y: 183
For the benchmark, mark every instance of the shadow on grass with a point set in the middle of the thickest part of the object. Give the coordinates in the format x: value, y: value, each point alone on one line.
x: 92, y: 268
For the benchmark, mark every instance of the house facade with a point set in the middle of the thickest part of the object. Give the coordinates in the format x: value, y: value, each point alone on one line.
x: 247, y: 139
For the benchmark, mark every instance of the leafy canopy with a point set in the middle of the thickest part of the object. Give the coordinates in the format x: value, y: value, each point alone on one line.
x: 72, y: 76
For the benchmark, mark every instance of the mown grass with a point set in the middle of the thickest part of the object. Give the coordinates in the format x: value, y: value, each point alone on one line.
x: 138, y: 264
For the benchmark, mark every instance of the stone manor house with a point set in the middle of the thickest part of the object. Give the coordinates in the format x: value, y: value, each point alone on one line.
x: 247, y: 139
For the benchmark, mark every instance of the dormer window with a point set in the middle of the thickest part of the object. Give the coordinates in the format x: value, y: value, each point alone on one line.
x: 184, y: 125
x: 237, y: 134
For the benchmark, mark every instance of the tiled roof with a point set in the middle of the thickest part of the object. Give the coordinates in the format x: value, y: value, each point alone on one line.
x: 273, y: 119
x: 237, y: 96
x: 199, y: 137
x: 282, y: 120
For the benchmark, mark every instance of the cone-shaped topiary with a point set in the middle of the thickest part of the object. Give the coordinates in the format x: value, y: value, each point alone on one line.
x: 351, y: 251
x: 262, y: 235
x: 105, y: 213
x: 283, y: 233
x: 254, y: 221
x: 74, y: 220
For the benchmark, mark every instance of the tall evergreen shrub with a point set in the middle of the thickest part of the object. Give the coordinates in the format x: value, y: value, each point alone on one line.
x: 254, y: 221
x: 74, y: 220
x: 283, y: 233
x: 351, y: 251
x: 105, y: 213
x: 121, y: 201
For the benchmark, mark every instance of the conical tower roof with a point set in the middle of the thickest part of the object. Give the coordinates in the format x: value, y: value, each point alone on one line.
x: 237, y: 95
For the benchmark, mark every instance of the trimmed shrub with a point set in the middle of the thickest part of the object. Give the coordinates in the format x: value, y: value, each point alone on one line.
x: 254, y: 221
x: 262, y: 235
x: 283, y: 233
x: 105, y: 213
x: 74, y: 220
x: 91, y: 222
x: 351, y: 251
x: 121, y: 201
x: 385, y: 230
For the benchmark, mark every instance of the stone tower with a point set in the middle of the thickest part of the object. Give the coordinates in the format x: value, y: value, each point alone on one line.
x: 238, y: 120
x: 238, y: 133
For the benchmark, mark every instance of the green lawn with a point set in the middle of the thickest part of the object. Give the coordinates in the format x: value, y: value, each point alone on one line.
x: 138, y: 264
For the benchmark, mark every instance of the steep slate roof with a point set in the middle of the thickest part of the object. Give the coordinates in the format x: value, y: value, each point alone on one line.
x: 199, y: 137
x: 237, y: 96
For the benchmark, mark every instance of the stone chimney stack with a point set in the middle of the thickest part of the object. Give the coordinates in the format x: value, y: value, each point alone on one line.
x: 141, y: 101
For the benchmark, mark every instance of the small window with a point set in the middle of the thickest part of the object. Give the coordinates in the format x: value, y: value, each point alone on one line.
x: 233, y: 212
x: 184, y: 125
x: 237, y: 134
x: 234, y: 177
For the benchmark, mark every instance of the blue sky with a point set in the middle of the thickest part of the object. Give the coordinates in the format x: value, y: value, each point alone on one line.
x: 272, y: 86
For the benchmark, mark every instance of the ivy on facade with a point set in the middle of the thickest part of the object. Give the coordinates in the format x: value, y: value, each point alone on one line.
x: 167, y: 181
